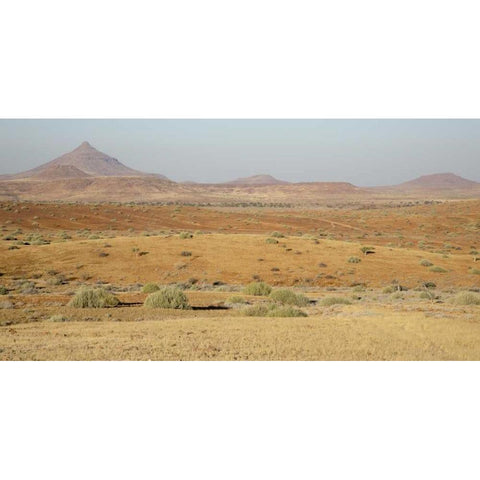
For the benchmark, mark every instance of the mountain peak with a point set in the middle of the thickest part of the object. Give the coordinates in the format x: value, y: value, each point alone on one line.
x: 85, y: 147
x: 86, y: 160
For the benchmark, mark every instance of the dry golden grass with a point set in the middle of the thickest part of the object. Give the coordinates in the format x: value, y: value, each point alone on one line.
x: 312, y: 254
x: 349, y: 333
x: 236, y: 259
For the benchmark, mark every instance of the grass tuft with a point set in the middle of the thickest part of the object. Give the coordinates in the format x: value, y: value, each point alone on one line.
x: 354, y: 260
x: 437, y: 269
x: 328, y: 301
x: 258, y: 289
x: 150, y: 288
x: 272, y: 310
x: 58, y: 318
x: 88, y: 297
x: 288, y: 297
x: 168, y: 297
x: 426, y: 263
x: 236, y: 300
x: 466, y: 298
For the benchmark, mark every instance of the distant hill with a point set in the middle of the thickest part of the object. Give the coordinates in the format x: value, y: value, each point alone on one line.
x: 86, y: 174
x: 151, y: 189
x: 88, y: 160
x: 60, y: 171
x: 439, y: 181
x: 257, y: 180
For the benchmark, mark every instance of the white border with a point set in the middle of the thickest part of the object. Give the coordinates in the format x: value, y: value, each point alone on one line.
x: 232, y: 59
x: 252, y: 420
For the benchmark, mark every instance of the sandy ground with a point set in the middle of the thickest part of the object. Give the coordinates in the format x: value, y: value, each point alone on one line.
x: 50, y: 250
x: 343, y: 333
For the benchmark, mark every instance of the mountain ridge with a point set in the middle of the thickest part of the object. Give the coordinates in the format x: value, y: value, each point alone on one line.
x: 86, y: 174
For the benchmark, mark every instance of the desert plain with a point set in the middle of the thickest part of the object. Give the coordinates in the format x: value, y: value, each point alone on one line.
x: 385, y: 279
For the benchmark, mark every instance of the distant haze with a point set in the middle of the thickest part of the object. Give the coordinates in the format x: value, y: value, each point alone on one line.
x: 363, y: 152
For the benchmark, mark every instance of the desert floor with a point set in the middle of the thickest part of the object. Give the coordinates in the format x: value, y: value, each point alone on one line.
x: 398, y: 308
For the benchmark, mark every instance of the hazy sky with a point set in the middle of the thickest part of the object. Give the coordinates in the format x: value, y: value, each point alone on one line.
x: 363, y: 152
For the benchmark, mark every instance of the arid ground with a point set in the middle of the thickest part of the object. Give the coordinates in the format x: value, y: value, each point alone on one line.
x: 398, y: 269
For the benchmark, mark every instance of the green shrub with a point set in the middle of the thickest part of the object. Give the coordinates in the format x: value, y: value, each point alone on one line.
x: 256, y: 311
x: 3, y: 290
x: 271, y: 240
x: 287, y: 311
x: 466, y: 298
x: 150, y: 288
x: 27, y: 287
x: 257, y: 289
x: 58, y: 318
x: 88, y: 297
x: 186, y: 253
x: 354, y: 260
x: 388, y: 290
x: 426, y: 263
x: 287, y: 297
x: 437, y: 269
x: 327, y: 301
x: 168, y: 297
x: 272, y: 310
x: 428, y: 295
x: 185, y: 235
x: 56, y: 280
x: 236, y: 300
x: 277, y: 235
x: 36, y: 239
x: 358, y: 288
x: 225, y: 288
x: 474, y: 271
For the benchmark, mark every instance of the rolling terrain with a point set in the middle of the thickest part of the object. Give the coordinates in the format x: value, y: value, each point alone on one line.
x: 397, y: 301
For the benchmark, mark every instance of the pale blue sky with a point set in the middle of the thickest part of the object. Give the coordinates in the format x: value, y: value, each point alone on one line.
x: 363, y: 152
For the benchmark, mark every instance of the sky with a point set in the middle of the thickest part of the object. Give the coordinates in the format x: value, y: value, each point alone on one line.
x: 363, y: 152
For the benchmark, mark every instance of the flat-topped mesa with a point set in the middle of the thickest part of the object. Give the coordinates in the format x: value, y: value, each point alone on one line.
x: 257, y: 180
